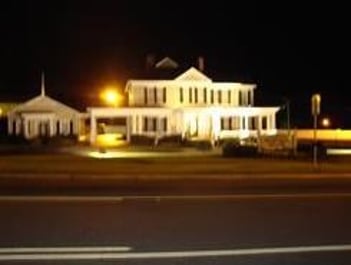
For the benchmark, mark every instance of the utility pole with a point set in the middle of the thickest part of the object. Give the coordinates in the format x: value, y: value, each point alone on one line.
x: 315, y: 109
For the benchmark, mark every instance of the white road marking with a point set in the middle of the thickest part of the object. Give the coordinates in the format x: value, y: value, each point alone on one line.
x: 63, y: 249
x: 174, y: 254
x: 97, y: 198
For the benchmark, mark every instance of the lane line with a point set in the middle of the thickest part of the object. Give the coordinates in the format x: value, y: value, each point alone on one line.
x: 175, y: 254
x: 22, y: 250
x: 96, y: 198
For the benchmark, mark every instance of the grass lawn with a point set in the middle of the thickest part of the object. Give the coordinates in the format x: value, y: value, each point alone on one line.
x: 170, y: 166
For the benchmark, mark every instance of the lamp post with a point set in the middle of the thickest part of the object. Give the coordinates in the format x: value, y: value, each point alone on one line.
x: 315, y: 109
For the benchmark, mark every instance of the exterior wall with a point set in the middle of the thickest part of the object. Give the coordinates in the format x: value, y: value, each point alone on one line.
x: 188, y: 94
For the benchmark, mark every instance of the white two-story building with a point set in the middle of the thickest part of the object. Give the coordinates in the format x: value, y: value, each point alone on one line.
x: 192, y: 106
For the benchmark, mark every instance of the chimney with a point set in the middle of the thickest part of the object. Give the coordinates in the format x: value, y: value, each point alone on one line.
x: 201, y: 63
x: 150, y: 61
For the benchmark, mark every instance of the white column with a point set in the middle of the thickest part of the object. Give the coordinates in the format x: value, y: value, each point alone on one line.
x: 25, y: 128
x: 10, y: 125
x: 273, y: 121
x: 246, y: 122
x: 51, y: 125
x: 92, y: 128
x: 129, y: 125
x: 259, y: 124
x: 134, y: 124
x: 18, y: 126
x: 140, y: 122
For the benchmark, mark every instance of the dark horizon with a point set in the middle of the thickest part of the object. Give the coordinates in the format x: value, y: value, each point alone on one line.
x: 289, y: 50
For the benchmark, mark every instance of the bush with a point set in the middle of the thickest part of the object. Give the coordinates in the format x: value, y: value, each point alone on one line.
x: 171, y: 140
x: 142, y: 140
x: 233, y: 149
x: 199, y: 144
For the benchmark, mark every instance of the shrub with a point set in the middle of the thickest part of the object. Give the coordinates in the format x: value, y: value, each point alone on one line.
x: 142, y: 140
x: 233, y: 149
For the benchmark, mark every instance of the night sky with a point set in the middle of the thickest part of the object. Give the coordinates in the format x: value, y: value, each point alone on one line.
x: 289, y: 50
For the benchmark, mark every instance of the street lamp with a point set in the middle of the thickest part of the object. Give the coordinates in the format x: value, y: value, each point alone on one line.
x: 325, y: 122
x: 111, y: 97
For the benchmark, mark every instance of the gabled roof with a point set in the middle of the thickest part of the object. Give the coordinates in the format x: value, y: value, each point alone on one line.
x: 43, y: 103
x: 192, y: 74
x: 167, y: 63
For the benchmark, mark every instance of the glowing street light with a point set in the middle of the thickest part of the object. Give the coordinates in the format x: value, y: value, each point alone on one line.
x: 111, y: 97
x: 325, y: 122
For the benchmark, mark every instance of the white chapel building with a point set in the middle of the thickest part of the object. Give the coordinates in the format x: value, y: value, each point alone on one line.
x: 190, y: 105
x: 43, y: 116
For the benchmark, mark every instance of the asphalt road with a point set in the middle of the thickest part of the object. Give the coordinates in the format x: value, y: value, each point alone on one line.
x: 298, y: 228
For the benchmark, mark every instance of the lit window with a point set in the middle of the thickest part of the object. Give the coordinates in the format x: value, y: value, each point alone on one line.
x: 229, y: 96
x: 181, y: 95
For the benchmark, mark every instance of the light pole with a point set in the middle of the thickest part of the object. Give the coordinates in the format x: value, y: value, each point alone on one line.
x: 315, y: 109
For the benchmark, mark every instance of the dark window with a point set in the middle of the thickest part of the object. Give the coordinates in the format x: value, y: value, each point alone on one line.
x: 212, y: 96
x: 145, y: 95
x: 58, y: 128
x: 145, y: 124
x: 71, y: 127
x: 264, y: 123
x: 249, y: 97
x: 181, y: 95
x: 195, y: 94
x: 229, y: 96
x: 190, y: 95
x: 164, y: 95
x: 230, y: 123
x: 252, y: 123
x: 222, y: 124
x: 205, y: 95
x: 164, y: 124
x: 219, y: 96
x: 154, y: 124
x: 240, y: 98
